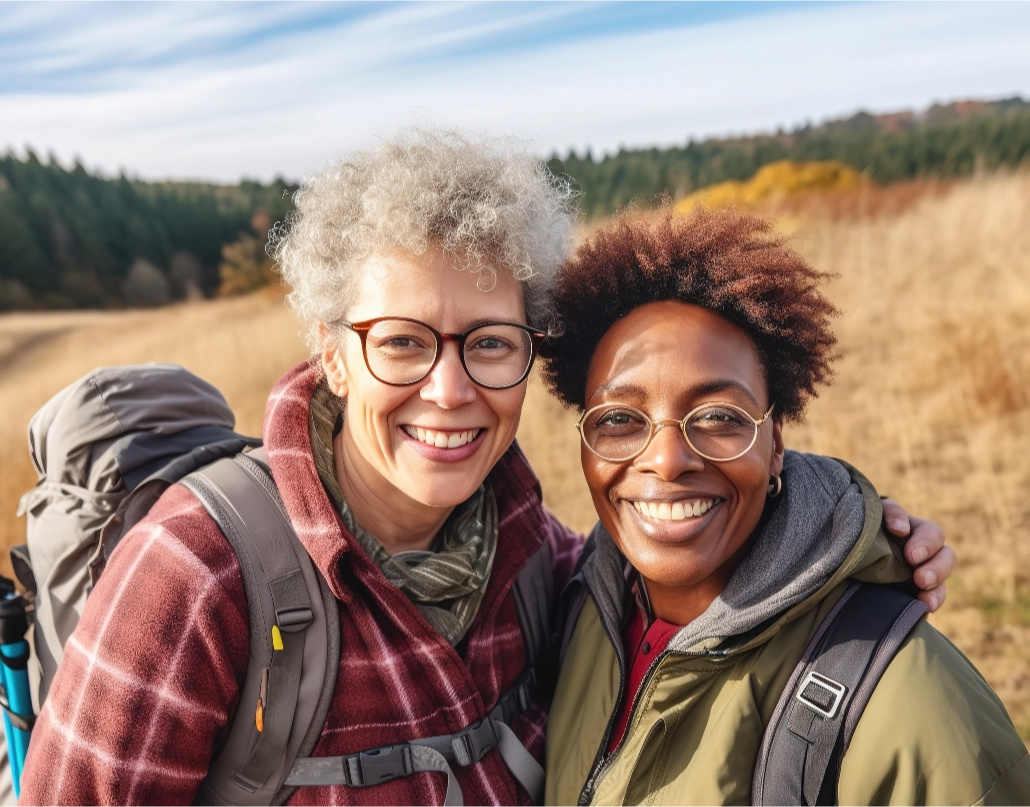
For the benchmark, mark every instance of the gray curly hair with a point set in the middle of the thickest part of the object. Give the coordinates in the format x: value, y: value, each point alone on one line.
x: 485, y: 201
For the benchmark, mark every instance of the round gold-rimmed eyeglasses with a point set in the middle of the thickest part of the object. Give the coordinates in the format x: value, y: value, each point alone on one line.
x: 400, y: 351
x: 716, y: 431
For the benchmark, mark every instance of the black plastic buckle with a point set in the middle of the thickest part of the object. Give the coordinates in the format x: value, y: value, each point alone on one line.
x: 383, y: 764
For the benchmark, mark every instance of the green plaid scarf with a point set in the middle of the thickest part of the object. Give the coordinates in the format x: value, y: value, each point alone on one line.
x: 446, y: 585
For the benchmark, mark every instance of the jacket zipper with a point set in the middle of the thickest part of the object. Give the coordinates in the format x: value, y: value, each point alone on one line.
x: 601, y: 762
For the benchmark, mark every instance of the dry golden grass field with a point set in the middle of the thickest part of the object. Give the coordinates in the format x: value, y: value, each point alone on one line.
x: 931, y: 398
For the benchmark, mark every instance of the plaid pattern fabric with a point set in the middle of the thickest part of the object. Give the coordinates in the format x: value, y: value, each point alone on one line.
x: 153, y: 671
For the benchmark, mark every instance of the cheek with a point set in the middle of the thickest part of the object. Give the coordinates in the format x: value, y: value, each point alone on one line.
x: 374, y: 403
x: 506, y: 406
x: 751, y: 481
x: 600, y: 476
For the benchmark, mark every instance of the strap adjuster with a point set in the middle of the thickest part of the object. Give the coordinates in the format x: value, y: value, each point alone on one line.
x: 381, y: 765
x: 292, y: 620
x: 821, y: 694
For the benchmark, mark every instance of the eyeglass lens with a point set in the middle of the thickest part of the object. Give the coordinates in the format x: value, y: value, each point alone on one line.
x: 718, y: 431
x: 401, y: 352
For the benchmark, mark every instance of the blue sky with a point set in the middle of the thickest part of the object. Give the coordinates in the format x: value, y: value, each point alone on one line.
x: 222, y: 91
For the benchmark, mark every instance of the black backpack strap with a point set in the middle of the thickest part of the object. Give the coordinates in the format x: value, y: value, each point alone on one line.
x: 533, y: 592
x: 815, y: 718
x: 572, y: 600
x: 294, y: 635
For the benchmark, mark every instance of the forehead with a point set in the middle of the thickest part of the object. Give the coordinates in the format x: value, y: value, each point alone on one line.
x: 677, y: 351
x: 434, y: 289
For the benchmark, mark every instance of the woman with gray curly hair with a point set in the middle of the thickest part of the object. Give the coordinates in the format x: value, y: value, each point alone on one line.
x: 420, y: 272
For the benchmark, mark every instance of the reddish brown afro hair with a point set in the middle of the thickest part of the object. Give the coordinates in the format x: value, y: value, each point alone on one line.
x: 729, y: 262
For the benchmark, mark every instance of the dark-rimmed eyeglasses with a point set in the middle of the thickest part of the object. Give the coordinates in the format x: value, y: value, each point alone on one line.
x: 400, y: 351
x: 716, y: 431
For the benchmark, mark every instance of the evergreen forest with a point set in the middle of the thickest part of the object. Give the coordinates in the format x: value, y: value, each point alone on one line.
x: 72, y: 239
x: 946, y: 141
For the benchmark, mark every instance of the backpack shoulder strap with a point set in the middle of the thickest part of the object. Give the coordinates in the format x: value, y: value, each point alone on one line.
x: 533, y: 591
x: 815, y: 718
x: 294, y: 635
x: 572, y: 600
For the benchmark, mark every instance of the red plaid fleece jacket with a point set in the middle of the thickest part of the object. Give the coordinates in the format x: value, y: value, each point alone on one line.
x: 153, y: 671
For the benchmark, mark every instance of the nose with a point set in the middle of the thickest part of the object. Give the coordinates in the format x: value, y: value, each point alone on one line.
x: 448, y: 385
x: 669, y: 455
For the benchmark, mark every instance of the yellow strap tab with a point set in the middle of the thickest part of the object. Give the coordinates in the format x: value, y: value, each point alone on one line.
x: 277, y: 638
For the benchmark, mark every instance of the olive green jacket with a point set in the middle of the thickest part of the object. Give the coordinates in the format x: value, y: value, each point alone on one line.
x: 932, y: 733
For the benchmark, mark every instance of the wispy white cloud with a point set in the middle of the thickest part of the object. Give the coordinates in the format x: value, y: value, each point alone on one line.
x: 228, y: 90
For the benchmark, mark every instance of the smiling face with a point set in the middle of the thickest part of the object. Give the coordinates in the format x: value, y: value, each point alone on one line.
x: 682, y: 521
x: 429, y: 445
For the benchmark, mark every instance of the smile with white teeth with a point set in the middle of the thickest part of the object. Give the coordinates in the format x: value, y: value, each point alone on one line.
x: 674, y: 511
x: 441, y: 439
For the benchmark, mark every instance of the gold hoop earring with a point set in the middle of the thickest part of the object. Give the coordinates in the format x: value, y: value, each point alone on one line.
x: 775, y: 486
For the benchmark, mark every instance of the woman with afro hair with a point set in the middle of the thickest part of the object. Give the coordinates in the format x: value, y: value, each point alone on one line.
x: 688, y: 346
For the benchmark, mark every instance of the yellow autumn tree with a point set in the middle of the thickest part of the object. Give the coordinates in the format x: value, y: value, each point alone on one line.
x: 777, y: 180
x: 245, y: 264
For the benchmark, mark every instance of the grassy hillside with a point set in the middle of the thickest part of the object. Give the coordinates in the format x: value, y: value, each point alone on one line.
x: 931, y: 399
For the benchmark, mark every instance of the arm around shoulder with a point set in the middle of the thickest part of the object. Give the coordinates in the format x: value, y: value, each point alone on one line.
x: 150, y: 674
x: 934, y: 732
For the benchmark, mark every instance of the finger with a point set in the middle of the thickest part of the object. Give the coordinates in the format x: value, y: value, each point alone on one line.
x: 927, y: 540
x: 934, y: 598
x: 936, y: 570
x: 896, y: 518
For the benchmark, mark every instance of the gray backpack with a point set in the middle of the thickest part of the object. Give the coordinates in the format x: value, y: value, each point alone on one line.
x: 105, y: 449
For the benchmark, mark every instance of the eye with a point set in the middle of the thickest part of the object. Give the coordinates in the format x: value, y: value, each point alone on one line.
x: 617, y: 421
x: 490, y: 343
x: 720, y: 419
x: 400, y: 343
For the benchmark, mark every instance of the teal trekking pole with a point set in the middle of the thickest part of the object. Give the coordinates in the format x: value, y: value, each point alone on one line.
x: 16, y: 697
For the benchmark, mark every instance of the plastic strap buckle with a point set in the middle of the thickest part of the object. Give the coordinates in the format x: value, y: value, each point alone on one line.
x: 821, y: 694
x: 381, y: 765
x: 474, y: 743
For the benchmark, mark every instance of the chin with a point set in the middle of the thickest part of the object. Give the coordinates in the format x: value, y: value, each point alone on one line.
x: 442, y: 495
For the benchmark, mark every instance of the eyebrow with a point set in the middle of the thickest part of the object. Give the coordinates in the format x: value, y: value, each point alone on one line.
x: 477, y: 323
x: 635, y: 392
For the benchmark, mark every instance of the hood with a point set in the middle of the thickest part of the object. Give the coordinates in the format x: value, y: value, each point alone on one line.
x: 823, y: 528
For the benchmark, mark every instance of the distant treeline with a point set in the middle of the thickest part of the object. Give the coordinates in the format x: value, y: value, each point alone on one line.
x: 70, y: 239
x: 950, y: 140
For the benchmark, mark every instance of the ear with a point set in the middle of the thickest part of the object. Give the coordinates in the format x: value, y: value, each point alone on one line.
x: 776, y: 466
x: 332, y: 362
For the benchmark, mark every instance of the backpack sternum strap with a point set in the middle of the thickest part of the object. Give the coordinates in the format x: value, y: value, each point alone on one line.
x: 437, y: 754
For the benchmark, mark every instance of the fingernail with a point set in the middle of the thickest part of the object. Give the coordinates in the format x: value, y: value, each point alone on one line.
x: 920, y: 554
x: 930, y: 579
